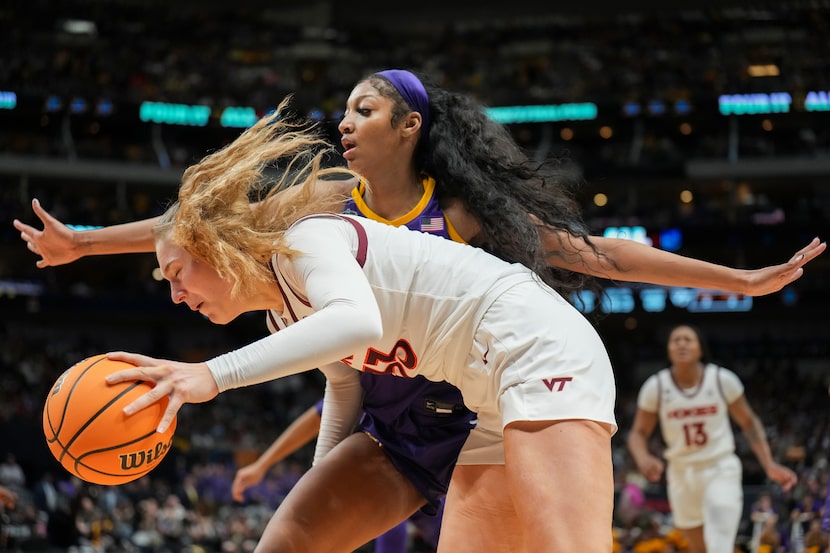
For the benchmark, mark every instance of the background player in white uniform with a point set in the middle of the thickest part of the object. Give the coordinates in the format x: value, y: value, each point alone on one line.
x: 693, y: 401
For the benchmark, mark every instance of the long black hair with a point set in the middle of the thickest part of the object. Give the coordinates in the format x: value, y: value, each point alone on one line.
x: 477, y: 160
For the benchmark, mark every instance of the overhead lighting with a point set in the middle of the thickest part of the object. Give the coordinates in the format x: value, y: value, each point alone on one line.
x: 80, y: 27
x: 769, y: 70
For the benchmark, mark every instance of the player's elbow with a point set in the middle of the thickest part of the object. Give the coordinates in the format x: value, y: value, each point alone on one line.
x: 366, y: 325
x: 373, y: 327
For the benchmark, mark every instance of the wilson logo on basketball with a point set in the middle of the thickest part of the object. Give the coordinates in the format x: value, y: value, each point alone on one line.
x: 144, y: 457
x: 56, y: 389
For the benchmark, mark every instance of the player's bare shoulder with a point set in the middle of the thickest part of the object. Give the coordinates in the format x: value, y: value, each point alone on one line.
x: 338, y: 187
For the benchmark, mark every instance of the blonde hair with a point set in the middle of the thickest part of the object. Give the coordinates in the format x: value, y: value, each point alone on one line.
x: 214, y: 218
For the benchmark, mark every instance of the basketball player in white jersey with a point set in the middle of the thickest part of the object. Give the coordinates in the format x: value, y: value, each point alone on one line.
x: 365, y: 296
x: 349, y: 295
x: 693, y: 401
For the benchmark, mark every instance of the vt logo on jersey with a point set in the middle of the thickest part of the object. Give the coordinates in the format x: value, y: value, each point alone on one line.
x: 557, y: 384
x: 401, y: 361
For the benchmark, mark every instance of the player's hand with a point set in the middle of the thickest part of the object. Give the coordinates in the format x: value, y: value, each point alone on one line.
x: 652, y: 468
x: 180, y: 382
x: 785, y: 477
x: 774, y: 278
x: 56, y: 244
x: 246, y: 477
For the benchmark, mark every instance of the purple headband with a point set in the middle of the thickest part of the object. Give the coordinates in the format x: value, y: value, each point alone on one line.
x: 412, y: 90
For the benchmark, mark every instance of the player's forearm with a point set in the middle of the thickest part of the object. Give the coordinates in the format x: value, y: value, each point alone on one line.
x: 134, y: 237
x: 638, y: 448
x: 642, y: 263
x: 629, y: 261
x: 757, y: 438
x: 287, y: 443
x: 342, y: 408
x: 275, y: 453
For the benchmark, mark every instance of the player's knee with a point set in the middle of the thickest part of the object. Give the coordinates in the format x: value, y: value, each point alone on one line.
x: 723, y: 513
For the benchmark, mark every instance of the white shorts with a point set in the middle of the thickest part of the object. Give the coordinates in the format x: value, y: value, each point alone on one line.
x: 704, y: 494
x: 535, y: 357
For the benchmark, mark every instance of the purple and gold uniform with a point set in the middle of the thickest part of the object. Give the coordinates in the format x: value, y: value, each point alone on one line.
x: 420, y: 424
x: 395, y: 539
x: 427, y: 215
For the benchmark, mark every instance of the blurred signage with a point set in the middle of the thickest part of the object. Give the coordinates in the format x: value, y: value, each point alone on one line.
x: 656, y: 299
x: 750, y: 104
x: 670, y: 239
x: 8, y: 99
x: 543, y: 113
x: 241, y: 117
x: 817, y: 100
x: 174, y: 114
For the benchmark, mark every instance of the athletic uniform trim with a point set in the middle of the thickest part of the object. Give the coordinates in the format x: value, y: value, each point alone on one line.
x: 285, y: 300
x: 360, y: 257
x: 427, y: 209
x: 416, y: 211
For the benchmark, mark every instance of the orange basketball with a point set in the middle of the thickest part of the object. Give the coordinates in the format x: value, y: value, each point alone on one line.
x: 89, y: 434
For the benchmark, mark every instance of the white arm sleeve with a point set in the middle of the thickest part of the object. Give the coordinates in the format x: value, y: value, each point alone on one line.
x: 346, y: 318
x: 342, y: 407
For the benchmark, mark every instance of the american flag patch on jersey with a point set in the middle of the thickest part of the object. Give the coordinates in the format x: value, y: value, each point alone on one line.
x: 432, y: 224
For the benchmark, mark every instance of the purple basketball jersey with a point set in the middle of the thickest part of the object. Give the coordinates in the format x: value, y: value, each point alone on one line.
x: 421, y: 424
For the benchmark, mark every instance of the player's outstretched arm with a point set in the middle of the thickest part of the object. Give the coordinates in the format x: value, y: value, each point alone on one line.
x: 57, y: 244
x: 301, y: 431
x: 629, y: 261
x: 626, y: 260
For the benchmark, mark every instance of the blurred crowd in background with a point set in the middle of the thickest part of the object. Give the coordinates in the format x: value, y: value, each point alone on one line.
x: 184, y: 505
x: 96, y: 168
x: 253, y: 54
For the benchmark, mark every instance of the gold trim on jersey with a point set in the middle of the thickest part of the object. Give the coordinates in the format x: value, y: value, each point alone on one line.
x: 416, y: 211
x: 454, y: 236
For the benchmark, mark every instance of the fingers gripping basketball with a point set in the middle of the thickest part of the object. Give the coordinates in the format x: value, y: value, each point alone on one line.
x: 89, y: 434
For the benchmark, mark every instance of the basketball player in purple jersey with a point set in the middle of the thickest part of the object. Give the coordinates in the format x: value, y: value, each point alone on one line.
x: 300, y: 432
x: 399, y: 422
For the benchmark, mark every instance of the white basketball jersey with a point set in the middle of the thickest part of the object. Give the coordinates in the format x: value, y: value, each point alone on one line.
x: 389, y: 300
x: 429, y: 316
x: 694, y: 423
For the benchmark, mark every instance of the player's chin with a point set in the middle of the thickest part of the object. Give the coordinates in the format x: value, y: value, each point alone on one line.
x: 220, y: 318
x: 215, y: 318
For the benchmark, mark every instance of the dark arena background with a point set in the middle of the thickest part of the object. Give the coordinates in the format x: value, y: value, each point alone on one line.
x: 700, y: 130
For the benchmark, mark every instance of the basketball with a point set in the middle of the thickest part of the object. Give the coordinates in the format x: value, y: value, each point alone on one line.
x: 89, y: 434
